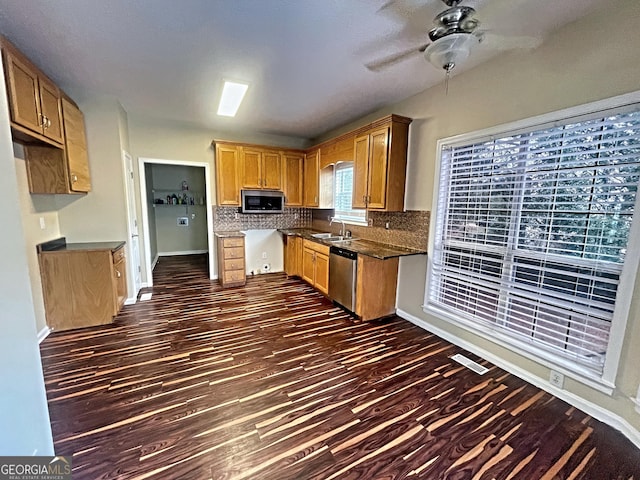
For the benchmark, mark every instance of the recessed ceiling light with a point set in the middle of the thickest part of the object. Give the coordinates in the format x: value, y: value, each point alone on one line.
x: 232, y: 95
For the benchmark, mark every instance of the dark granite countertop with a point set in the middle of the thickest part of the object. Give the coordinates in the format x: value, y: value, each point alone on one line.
x: 229, y: 233
x: 370, y: 248
x: 61, y: 245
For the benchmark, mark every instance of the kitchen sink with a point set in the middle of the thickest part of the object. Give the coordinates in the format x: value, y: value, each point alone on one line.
x: 330, y: 237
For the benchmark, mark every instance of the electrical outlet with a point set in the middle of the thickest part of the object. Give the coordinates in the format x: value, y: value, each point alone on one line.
x: 387, y: 225
x: 370, y: 222
x: 556, y: 379
x: 264, y: 255
x: 42, y: 224
x: 183, y: 221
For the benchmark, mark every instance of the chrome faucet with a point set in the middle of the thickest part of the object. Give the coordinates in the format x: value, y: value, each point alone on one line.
x: 344, y: 227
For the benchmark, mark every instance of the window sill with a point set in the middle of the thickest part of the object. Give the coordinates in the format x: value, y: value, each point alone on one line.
x: 547, y: 359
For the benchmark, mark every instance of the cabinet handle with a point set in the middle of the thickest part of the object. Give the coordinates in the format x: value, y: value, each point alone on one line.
x: 118, y: 274
x: 315, y: 199
x: 42, y: 121
x: 74, y: 178
x: 48, y: 122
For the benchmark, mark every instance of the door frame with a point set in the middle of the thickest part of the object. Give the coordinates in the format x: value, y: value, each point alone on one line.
x: 144, y: 227
x: 132, y: 290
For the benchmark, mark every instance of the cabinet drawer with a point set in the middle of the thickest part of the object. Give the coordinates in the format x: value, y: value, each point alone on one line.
x: 234, y: 264
x: 232, y: 276
x: 234, y: 252
x: 233, y: 242
x: 118, y: 255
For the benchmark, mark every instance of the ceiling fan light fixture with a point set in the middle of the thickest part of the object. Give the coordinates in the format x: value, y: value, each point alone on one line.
x: 448, y: 51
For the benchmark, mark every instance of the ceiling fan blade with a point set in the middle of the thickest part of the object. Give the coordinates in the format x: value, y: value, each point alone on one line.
x: 508, y: 42
x: 390, y: 60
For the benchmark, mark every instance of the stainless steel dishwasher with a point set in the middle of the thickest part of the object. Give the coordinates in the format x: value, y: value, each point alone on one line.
x: 343, y: 268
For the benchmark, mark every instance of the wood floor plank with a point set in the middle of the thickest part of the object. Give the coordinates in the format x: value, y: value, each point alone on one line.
x: 272, y: 381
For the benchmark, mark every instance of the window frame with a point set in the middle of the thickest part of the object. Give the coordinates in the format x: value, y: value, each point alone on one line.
x: 604, y: 382
x: 348, y: 220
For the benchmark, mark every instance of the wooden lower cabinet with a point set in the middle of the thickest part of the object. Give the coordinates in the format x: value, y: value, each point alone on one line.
x: 231, y: 266
x: 376, y: 287
x: 315, y: 265
x: 293, y: 255
x: 83, y: 287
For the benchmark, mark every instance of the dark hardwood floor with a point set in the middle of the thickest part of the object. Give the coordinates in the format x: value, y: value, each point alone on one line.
x: 271, y: 381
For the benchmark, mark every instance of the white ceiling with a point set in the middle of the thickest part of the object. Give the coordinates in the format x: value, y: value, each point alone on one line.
x: 304, y: 59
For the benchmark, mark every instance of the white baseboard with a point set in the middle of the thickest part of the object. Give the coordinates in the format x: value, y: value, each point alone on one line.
x: 155, y: 261
x: 181, y: 252
x: 130, y: 301
x: 44, y: 333
x: 612, y: 419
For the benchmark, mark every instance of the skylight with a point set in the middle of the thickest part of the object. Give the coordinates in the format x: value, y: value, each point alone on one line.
x: 232, y: 95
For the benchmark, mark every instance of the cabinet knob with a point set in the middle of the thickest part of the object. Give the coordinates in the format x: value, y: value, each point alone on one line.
x: 74, y: 177
x: 118, y: 274
x: 48, y: 122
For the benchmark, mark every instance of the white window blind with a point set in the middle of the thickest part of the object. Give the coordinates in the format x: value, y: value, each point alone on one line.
x: 532, y: 229
x: 343, y: 193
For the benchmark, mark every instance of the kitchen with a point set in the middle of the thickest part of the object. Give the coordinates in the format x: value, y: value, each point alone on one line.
x: 510, y: 90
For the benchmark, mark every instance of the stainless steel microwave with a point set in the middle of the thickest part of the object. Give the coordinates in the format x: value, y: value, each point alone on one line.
x: 262, y: 201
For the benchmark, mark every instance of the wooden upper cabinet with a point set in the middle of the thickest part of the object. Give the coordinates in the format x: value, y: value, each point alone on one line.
x: 23, y: 90
x: 51, y: 106
x: 293, y: 167
x: 360, y: 172
x: 312, y: 178
x: 251, y: 167
x: 34, y: 101
x: 261, y: 169
x: 227, y: 175
x: 271, y: 170
x: 76, y: 147
x: 377, y: 172
x: 380, y: 165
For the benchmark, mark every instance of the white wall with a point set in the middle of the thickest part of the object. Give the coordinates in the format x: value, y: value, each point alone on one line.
x: 24, y: 417
x: 32, y: 209
x: 259, y: 242
x: 591, y: 59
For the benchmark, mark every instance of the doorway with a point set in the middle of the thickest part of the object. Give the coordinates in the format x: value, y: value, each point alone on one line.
x: 175, y: 197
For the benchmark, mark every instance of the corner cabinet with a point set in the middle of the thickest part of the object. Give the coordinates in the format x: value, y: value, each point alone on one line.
x: 293, y: 255
x: 315, y: 265
x: 380, y: 164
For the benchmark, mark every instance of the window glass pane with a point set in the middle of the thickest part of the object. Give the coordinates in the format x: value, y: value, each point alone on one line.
x: 343, y: 192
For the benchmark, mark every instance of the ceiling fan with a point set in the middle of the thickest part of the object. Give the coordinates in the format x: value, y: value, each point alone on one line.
x: 454, y: 35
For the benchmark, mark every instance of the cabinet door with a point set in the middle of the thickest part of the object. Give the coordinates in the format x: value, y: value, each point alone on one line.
x: 76, y: 148
x: 293, y: 171
x: 50, y: 103
x: 227, y: 176
x: 322, y: 273
x: 378, y: 164
x: 360, y: 171
x: 24, y: 97
x: 308, y: 265
x: 251, y: 161
x: 311, y: 177
x: 271, y: 170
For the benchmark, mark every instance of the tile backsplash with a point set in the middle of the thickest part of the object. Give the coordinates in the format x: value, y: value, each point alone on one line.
x: 228, y: 218
x: 406, y: 229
